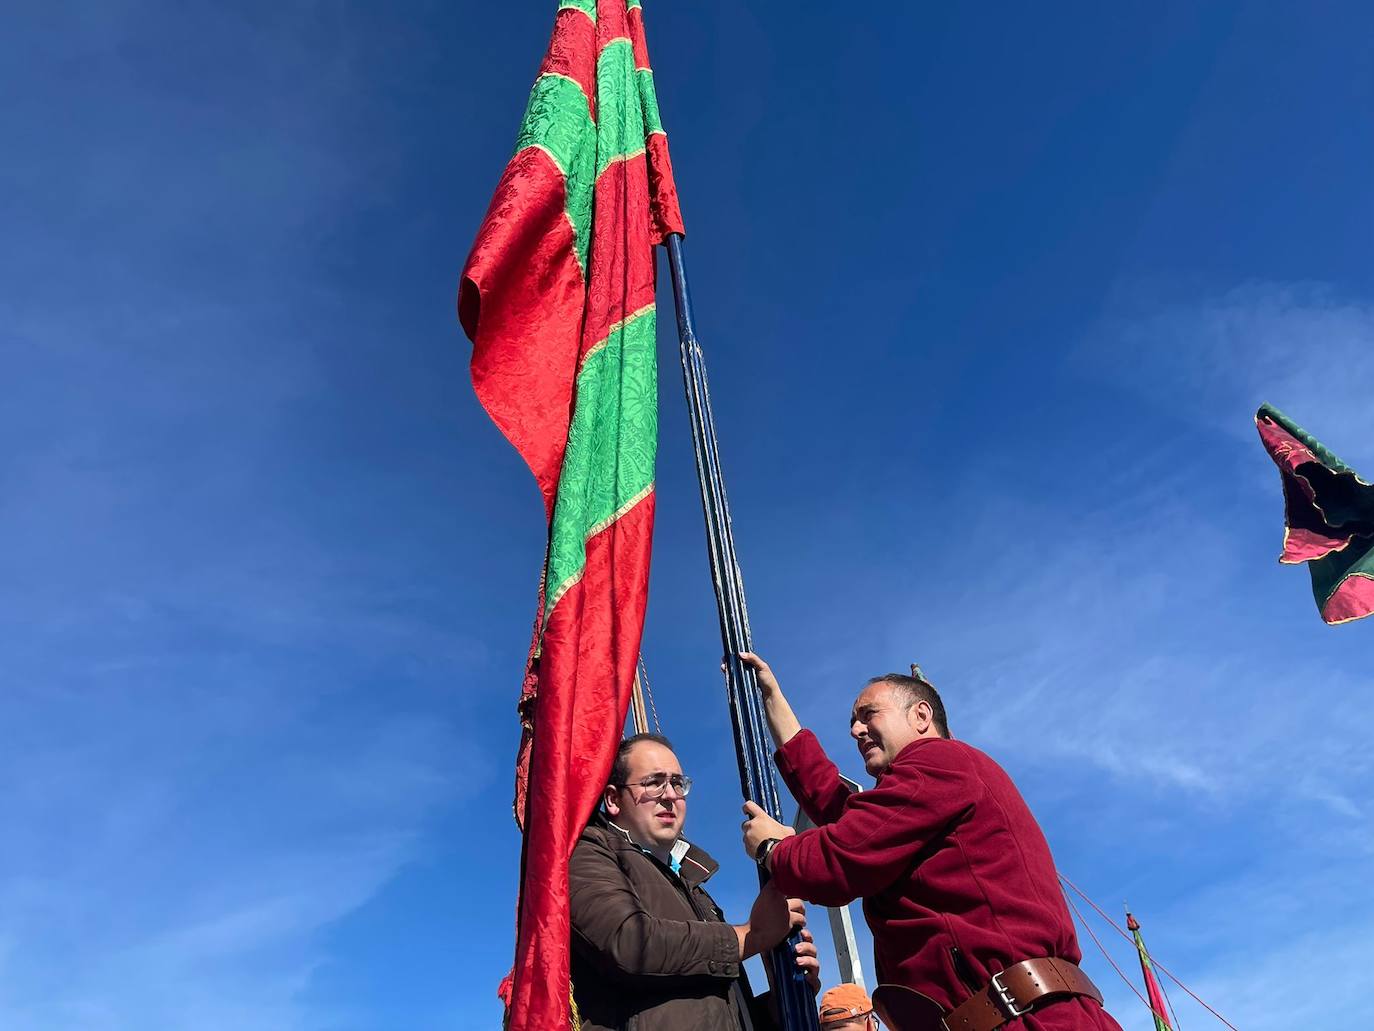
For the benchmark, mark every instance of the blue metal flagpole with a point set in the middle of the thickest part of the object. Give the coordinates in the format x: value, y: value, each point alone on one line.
x: 752, y: 747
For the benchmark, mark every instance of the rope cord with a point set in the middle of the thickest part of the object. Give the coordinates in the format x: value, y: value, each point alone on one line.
x: 1153, y: 962
x: 648, y: 692
x: 1173, y: 1014
x: 1107, y: 955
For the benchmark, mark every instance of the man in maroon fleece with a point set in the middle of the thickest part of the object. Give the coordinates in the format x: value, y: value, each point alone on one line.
x: 958, y: 885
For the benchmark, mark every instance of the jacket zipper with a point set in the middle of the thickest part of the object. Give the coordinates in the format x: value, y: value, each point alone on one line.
x: 964, y: 970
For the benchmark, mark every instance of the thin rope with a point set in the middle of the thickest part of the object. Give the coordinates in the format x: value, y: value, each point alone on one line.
x: 1108, y: 956
x: 649, y: 692
x: 1173, y: 1014
x: 1153, y: 962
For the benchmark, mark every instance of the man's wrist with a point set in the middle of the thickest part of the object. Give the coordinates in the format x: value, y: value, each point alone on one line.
x: 765, y: 852
x: 747, y: 946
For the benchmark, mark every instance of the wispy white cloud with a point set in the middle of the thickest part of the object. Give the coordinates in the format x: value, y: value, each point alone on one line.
x: 1303, y: 347
x: 1247, y: 718
x: 1190, y: 732
x: 184, y: 827
x: 1254, y: 935
x: 226, y: 726
x: 1125, y: 620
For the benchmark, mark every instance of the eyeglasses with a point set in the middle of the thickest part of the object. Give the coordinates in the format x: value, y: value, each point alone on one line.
x: 654, y: 787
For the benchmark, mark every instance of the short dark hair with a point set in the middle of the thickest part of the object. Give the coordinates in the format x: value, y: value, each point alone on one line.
x: 621, y: 768
x: 916, y: 690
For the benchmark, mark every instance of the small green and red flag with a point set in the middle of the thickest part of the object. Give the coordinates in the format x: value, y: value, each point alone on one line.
x: 1328, y: 517
x: 1153, y: 992
x: 557, y: 297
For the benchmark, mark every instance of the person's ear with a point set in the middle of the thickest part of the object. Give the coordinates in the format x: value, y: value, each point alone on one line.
x: 610, y: 798
x: 924, y: 716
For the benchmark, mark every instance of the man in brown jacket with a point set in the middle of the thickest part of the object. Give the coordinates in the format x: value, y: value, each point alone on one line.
x: 651, y: 950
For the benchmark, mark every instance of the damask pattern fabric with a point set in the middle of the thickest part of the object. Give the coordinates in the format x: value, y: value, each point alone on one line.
x: 557, y: 297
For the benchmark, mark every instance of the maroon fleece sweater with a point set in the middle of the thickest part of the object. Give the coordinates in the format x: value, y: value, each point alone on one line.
x: 956, y: 877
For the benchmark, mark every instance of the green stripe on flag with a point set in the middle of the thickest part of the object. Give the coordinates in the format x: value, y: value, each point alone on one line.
x: 631, y: 3
x: 620, y: 120
x: 587, y: 7
x: 609, y: 464
x: 558, y: 122
x: 648, y: 97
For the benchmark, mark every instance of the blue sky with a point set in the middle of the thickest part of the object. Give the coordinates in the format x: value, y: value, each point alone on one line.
x: 989, y: 297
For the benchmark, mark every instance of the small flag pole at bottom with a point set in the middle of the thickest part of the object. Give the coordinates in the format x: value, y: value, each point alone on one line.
x: 1153, y: 992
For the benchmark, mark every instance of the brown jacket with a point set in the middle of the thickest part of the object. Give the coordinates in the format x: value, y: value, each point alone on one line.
x: 651, y: 950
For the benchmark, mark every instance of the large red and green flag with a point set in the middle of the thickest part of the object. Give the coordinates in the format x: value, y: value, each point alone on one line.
x: 558, y: 299
x: 1328, y: 516
x: 1153, y: 992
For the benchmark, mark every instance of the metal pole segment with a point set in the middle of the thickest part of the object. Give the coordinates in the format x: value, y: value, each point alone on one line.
x: 755, y: 758
x: 714, y: 540
x: 639, y: 718
x: 720, y: 565
x: 725, y: 568
x: 734, y: 611
x: 767, y: 795
x: 796, y: 1006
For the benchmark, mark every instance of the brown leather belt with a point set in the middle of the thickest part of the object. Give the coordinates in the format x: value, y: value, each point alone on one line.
x: 1019, y: 989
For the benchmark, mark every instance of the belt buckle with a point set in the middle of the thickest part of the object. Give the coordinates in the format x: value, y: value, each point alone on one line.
x: 1002, y: 994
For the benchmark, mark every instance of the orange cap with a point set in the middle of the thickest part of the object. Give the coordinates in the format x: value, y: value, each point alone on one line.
x: 844, y: 1002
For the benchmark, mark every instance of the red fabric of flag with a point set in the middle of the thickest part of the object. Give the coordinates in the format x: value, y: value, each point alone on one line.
x: 557, y: 297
